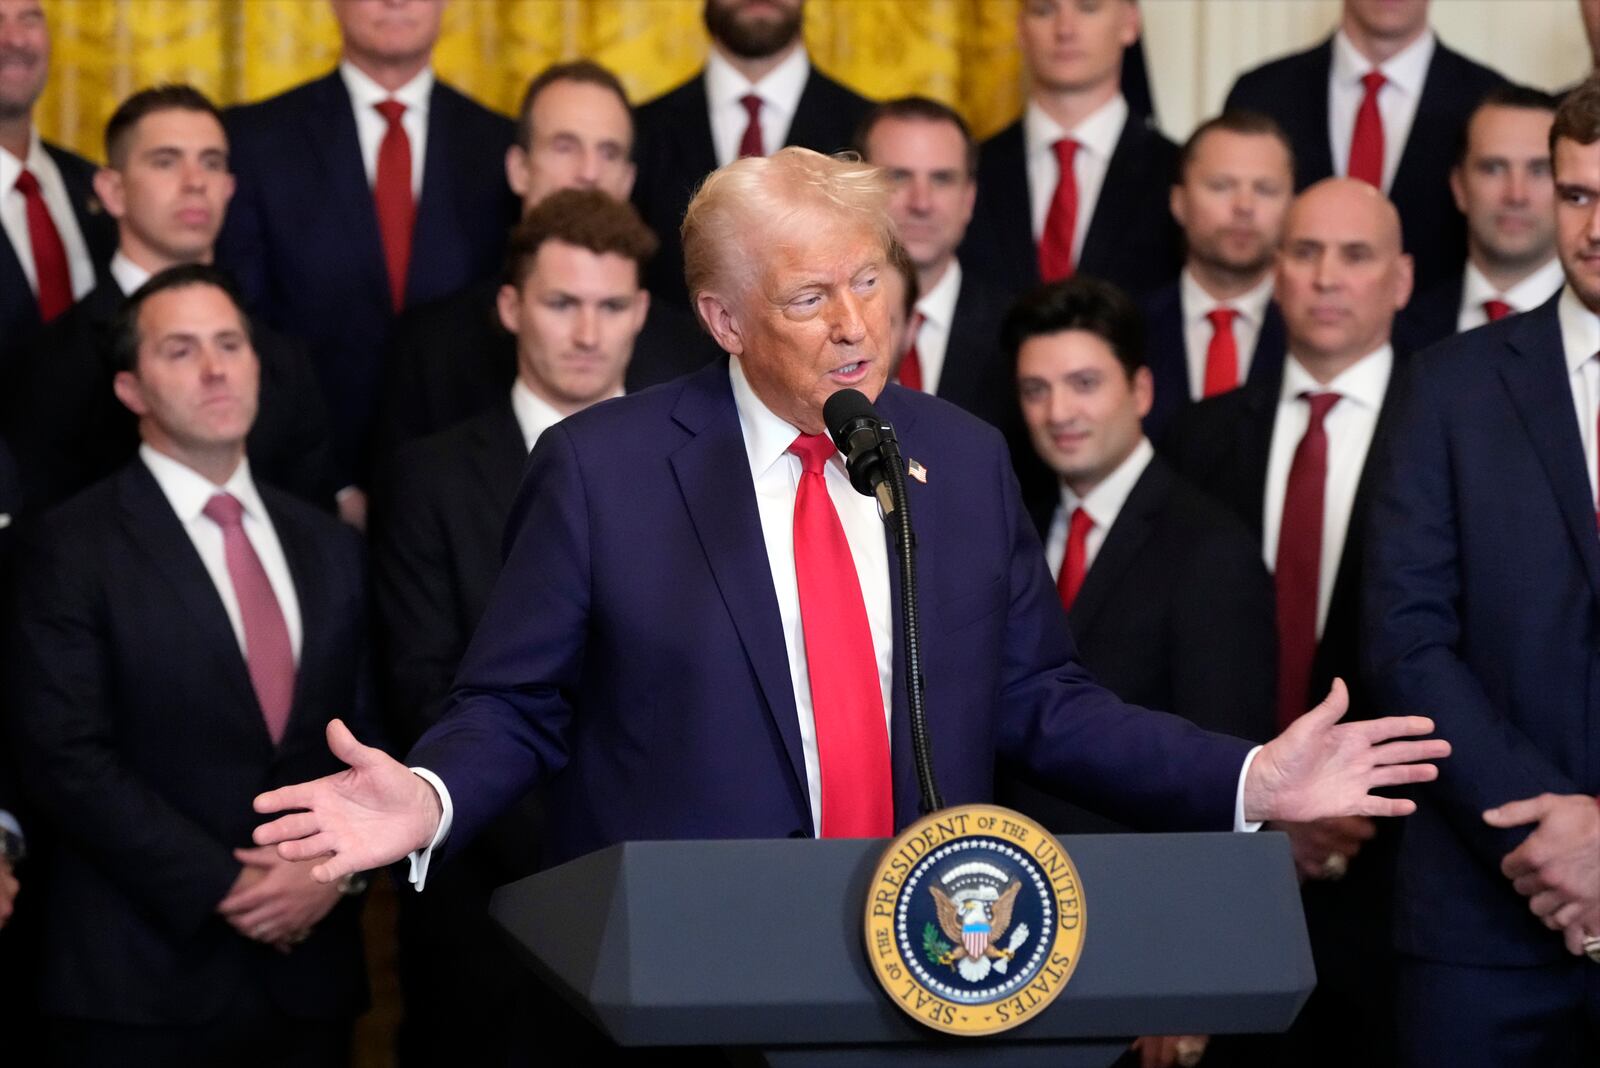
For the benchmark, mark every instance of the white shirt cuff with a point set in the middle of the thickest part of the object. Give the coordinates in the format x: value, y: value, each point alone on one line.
x: 1239, y: 823
x: 418, y: 876
x: 9, y: 822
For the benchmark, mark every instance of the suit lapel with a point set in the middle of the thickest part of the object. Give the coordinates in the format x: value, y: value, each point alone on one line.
x: 1013, y: 227
x: 1122, y: 546
x: 692, y: 134
x: 960, y: 378
x: 498, y: 457
x: 1315, y: 145
x: 330, y: 127
x: 1252, y: 447
x: 314, y: 588
x: 1433, y: 131
x: 1266, y: 362
x: 1113, y: 214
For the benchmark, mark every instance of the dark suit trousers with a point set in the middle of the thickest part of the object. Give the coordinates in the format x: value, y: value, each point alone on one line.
x: 1543, y: 1017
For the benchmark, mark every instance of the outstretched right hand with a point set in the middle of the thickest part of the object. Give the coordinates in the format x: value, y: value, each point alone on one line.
x: 368, y: 816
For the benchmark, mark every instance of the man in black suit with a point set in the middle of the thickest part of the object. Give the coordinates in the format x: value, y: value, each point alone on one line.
x: 167, y: 186
x: 1079, y: 183
x: 1502, y: 184
x: 1382, y: 100
x: 173, y: 609
x: 453, y: 359
x: 1217, y: 326
x: 574, y: 304
x: 1289, y: 457
x: 369, y: 190
x: 55, y: 240
x: 757, y: 93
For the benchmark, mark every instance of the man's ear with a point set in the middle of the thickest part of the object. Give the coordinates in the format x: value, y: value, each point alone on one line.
x: 508, y: 303
x: 720, y: 322
x: 126, y: 386
x: 108, y: 190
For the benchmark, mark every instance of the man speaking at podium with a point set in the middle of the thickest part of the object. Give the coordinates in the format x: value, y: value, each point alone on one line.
x: 693, y: 634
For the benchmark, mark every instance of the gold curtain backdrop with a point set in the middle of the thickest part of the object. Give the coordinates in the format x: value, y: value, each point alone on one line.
x: 959, y: 51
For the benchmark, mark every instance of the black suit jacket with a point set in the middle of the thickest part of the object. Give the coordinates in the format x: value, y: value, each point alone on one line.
x: 1294, y: 91
x: 69, y: 430
x: 1132, y: 239
x: 19, y: 308
x: 141, y: 744
x: 302, y: 233
x: 976, y: 374
x: 1167, y: 354
x: 674, y: 151
x: 1432, y: 314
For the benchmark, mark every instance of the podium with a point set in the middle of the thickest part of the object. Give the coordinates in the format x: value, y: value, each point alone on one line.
x: 759, y: 945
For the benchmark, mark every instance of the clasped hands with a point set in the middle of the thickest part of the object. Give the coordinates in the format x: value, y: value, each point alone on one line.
x: 1557, y: 867
x: 275, y: 901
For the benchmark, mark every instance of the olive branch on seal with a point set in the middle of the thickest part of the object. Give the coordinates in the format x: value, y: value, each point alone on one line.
x: 936, y: 949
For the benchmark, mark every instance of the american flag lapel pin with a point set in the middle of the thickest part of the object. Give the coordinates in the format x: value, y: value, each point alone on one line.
x: 917, y: 471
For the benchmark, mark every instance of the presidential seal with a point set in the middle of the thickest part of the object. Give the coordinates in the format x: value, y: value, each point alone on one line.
x: 974, y: 919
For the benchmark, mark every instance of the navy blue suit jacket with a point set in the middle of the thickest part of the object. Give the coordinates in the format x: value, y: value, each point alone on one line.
x: 1482, y: 610
x: 302, y: 232
x: 632, y: 657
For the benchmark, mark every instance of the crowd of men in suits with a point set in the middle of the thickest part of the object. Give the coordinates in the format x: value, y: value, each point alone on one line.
x: 266, y: 351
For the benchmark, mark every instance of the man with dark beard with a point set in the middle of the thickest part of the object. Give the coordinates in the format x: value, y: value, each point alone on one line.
x: 757, y: 93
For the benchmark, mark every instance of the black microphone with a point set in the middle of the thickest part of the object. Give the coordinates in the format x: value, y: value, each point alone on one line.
x: 868, y: 444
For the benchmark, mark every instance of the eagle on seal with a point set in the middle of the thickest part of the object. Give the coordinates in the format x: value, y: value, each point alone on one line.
x: 974, y: 926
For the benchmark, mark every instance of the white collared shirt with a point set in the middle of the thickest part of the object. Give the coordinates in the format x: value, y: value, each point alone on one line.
x: 1406, y: 72
x: 938, y: 310
x: 1097, y: 136
x: 779, y: 91
x: 366, y: 94
x: 1580, y: 342
x: 14, y: 215
x: 534, y: 414
x: 128, y: 275
x: 1196, y: 304
x: 1103, y: 503
x: 187, y: 491
x: 1526, y: 295
x: 1349, y: 424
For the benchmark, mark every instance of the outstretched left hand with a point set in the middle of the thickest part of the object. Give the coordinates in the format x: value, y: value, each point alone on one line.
x: 1319, y: 767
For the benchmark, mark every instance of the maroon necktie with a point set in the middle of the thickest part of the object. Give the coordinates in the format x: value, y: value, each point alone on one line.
x: 268, y: 653
x: 1496, y: 310
x: 49, y: 254
x: 1366, y: 144
x: 1299, y: 565
x: 1222, y: 355
x: 910, y: 374
x: 846, y: 699
x: 397, y: 209
x: 1061, y: 224
x: 1075, y: 563
x: 750, y: 143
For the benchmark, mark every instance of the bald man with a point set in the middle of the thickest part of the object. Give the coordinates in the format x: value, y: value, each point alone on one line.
x: 1340, y: 278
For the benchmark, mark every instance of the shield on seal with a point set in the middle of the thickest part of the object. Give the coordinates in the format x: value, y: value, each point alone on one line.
x: 975, y: 937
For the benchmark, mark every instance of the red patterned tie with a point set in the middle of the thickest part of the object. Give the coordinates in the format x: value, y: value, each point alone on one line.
x: 1222, y: 355
x: 750, y: 143
x: 910, y: 374
x: 1366, y: 144
x: 49, y: 254
x: 1299, y: 565
x: 1496, y: 310
x: 1061, y: 224
x: 268, y: 653
x: 397, y: 209
x: 1075, y: 564
x: 846, y: 700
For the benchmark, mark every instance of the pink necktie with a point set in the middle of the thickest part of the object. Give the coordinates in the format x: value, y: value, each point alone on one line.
x: 397, y: 209
x: 1298, y: 574
x: 750, y: 143
x: 268, y: 654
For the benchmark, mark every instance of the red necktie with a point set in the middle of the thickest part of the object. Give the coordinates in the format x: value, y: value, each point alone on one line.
x: 1222, y: 355
x: 49, y: 254
x: 392, y: 191
x: 846, y: 701
x: 1496, y: 310
x: 1299, y: 565
x: 1075, y: 564
x: 1061, y: 224
x: 1366, y: 144
x: 910, y: 374
x: 750, y: 143
x: 268, y: 653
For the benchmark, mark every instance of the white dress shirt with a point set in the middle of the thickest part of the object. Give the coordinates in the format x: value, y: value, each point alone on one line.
x: 1097, y: 137
x: 779, y: 91
x: 534, y: 414
x: 366, y: 94
x: 14, y: 215
x: 1195, y: 304
x: 1103, y: 503
x: 1349, y: 425
x: 128, y: 275
x: 1526, y: 295
x: 187, y: 491
x: 1580, y: 341
x: 1406, y: 70
x: 938, y: 310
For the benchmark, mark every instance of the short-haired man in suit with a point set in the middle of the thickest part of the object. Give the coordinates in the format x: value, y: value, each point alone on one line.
x: 167, y: 185
x: 366, y: 191
x: 1079, y: 183
x: 55, y: 242
x: 1217, y: 326
x: 1502, y: 185
x: 572, y: 299
x: 454, y: 359
x: 174, y: 609
x: 1382, y: 100
x: 757, y: 92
